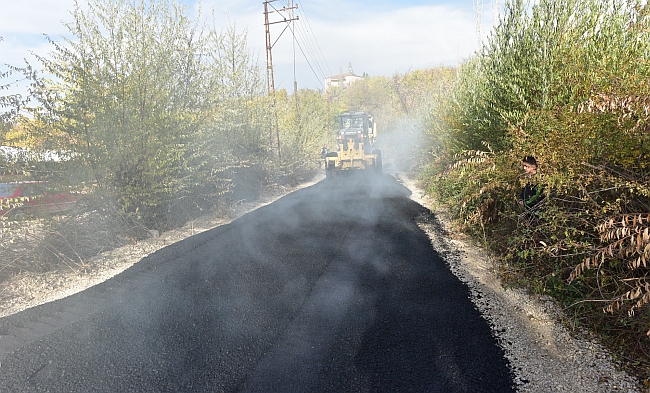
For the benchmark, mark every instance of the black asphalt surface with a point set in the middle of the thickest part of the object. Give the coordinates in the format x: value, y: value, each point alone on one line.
x: 333, y: 288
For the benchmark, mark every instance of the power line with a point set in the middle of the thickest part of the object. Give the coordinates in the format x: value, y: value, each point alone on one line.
x: 269, y: 46
x: 310, y: 66
x: 303, y: 38
x: 315, y: 40
x: 309, y: 49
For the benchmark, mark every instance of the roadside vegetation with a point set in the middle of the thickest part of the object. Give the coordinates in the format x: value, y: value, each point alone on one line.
x: 155, y: 118
x: 565, y: 81
x: 158, y: 118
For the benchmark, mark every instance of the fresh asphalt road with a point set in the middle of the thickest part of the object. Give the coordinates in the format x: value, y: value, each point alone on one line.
x: 333, y: 288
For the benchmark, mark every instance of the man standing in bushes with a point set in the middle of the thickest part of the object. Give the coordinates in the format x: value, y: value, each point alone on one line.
x: 532, y: 194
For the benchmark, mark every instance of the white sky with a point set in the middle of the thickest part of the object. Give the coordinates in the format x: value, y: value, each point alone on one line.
x: 379, y: 37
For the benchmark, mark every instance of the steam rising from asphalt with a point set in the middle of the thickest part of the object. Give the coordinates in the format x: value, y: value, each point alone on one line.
x: 338, y: 295
x: 402, y: 143
x: 255, y: 296
x: 335, y: 279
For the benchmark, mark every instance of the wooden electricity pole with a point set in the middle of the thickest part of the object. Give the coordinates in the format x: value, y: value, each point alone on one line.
x: 269, y: 57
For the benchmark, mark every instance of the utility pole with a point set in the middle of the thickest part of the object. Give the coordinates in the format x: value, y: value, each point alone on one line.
x: 269, y: 55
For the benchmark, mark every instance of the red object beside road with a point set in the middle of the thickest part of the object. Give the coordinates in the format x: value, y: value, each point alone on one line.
x: 33, y: 197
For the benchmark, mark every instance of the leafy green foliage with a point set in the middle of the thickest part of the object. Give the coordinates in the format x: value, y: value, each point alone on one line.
x: 154, y: 107
x: 566, y: 82
x: 303, y: 128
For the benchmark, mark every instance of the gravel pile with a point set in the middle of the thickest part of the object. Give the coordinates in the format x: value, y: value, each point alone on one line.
x: 544, y: 355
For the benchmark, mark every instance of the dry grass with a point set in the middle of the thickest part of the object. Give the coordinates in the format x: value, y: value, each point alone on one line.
x: 63, y: 242
x: 627, y: 239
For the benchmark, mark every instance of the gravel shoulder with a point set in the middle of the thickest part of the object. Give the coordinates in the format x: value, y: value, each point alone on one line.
x: 544, y: 355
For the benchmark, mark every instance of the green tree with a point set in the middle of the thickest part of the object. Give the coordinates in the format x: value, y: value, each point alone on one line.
x: 148, y: 99
x: 240, y: 121
x: 565, y: 81
x: 304, y: 128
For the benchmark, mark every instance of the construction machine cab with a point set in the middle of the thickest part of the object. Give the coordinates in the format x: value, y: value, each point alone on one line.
x: 358, y: 127
x: 355, y: 138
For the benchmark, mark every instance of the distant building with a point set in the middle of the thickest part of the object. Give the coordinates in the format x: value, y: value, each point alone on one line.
x: 342, y: 79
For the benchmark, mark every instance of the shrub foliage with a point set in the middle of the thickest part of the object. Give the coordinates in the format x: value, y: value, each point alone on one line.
x: 567, y: 82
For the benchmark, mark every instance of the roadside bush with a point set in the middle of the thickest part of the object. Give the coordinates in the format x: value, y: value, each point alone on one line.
x: 157, y: 106
x: 565, y: 81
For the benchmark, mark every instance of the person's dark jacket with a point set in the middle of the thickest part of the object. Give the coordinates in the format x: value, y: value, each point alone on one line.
x: 532, y: 194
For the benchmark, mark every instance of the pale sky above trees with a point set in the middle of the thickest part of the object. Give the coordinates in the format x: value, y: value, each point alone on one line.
x: 377, y: 37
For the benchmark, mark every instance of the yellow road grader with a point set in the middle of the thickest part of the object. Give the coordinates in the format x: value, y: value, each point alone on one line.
x: 355, y: 140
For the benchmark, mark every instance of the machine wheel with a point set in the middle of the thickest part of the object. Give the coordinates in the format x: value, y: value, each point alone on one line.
x: 329, y: 169
x: 378, y: 161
